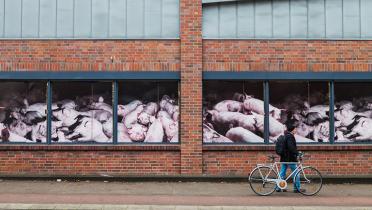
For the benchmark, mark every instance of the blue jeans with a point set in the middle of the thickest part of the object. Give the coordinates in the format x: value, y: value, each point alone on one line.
x: 283, y: 171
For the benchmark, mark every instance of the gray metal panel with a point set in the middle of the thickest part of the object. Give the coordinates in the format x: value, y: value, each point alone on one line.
x: 13, y: 18
x: 100, y: 18
x: 2, y: 15
x: 334, y: 19
x: 228, y: 20
x: 351, y: 19
x: 316, y: 21
x: 153, y: 9
x: 298, y: 18
x: 117, y: 18
x: 30, y: 18
x: 170, y: 18
x: 281, y: 19
x: 82, y: 18
x: 135, y: 18
x: 65, y: 18
x: 263, y: 19
x: 366, y: 18
x: 48, y: 16
x: 245, y: 19
x: 210, y: 21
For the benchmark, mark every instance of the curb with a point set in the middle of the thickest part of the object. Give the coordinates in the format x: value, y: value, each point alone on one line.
x: 165, y: 207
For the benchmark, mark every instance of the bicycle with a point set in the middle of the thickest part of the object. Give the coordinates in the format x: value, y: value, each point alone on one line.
x: 264, y: 178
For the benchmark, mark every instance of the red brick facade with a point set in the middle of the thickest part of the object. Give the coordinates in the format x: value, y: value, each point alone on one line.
x: 190, y: 55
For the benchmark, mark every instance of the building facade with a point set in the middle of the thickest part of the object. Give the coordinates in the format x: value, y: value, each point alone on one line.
x: 183, y: 88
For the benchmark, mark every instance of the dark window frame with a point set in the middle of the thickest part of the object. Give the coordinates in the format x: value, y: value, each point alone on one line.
x: 113, y: 77
x: 266, y: 77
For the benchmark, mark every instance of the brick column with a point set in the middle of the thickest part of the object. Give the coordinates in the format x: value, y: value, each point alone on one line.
x: 191, y: 86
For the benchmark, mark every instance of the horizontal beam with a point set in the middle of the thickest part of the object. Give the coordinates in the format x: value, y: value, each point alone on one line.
x: 340, y: 76
x: 40, y: 75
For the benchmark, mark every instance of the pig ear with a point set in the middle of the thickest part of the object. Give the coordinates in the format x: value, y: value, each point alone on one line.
x: 121, y: 106
x: 100, y: 99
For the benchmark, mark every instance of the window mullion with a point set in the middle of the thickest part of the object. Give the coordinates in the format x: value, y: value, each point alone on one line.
x: 115, y: 113
x: 266, y: 109
x: 49, y: 112
x: 331, y: 112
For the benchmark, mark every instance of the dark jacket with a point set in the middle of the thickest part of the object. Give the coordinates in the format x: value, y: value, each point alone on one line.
x: 290, y: 151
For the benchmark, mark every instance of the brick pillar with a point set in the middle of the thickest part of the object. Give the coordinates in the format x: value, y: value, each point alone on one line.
x: 191, y: 86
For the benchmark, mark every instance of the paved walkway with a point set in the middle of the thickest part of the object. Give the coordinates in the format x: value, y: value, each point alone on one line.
x: 172, y: 195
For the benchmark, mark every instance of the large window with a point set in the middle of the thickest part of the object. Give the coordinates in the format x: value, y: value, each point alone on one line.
x: 90, y: 111
x: 353, y: 112
x: 252, y: 111
x: 148, y: 112
x: 302, y: 104
x: 82, y: 112
x: 23, y: 112
x: 233, y: 112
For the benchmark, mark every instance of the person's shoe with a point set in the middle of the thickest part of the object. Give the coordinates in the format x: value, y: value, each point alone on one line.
x: 298, y: 191
x: 279, y: 190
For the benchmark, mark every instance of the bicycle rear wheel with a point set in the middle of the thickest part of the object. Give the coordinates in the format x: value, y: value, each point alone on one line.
x: 311, y: 181
x: 258, y: 180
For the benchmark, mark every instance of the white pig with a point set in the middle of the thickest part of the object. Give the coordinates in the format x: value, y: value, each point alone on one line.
x: 257, y: 106
x: 155, y: 133
x: 170, y: 127
x: 123, y: 135
x: 123, y: 110
x: 132, y: 117
x: 233, y: 119
x: 211, y: 136
x: 321, y: 132
x: 240, y: 134
x: 229, y: 106
x: 275, y: 127
x: 137, y: 132
x: 150, y: 110
x: 14, y: 137
x: 166, y: 104
x: 101, y: 105
x: 361, y: 129
x: 88, y: 129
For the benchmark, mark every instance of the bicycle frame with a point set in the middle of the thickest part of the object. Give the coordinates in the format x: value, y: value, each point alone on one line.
x: 274, y: 167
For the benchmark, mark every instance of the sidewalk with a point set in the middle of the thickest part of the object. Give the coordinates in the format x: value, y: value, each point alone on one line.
x: 172, y: 195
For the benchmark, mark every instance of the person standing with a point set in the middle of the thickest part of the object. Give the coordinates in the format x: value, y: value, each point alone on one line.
x: 289, y: 156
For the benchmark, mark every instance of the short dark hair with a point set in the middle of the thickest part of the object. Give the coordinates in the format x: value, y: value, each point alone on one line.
x: 290, y: 126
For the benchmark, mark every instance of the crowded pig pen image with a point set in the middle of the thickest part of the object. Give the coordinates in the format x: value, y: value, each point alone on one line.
x: 150, y: 112
x: 82, y: 112
x: 234, y: 111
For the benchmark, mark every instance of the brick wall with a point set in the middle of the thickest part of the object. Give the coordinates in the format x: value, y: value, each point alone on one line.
x: 189, y: 55
x: 191, y: 92
x: 331, y: 161
x: 86, y: 55
x: 96, y: 161
x: 286, y: 55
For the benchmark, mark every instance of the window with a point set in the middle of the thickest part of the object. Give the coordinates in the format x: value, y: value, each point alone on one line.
x: 89, y: 108
x: 23, y: 112
x: 304, y: 105
x: 321, y: 110
x: 82, y: 112
x: 233, y: 112
x: 148, y: 112
x: 353, y: 112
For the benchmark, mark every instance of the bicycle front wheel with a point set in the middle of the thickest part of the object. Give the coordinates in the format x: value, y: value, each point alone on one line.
x: 261, y: 180
x: 310, y: 181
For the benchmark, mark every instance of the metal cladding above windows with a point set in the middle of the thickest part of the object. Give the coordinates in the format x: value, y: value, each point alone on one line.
x: 288, y: 19
x: 89, y: 19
